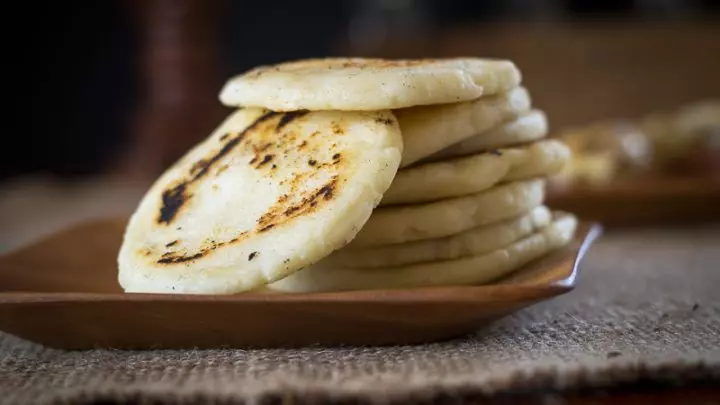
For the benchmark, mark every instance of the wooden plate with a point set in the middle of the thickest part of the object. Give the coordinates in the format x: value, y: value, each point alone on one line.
x: 62, y: 292
x: 644, y: 201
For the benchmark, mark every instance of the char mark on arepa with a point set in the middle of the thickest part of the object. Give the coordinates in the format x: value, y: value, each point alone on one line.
x: 288, y: 117
x: 174, y: 198
x: 281, y: 213
x: 170, y: 257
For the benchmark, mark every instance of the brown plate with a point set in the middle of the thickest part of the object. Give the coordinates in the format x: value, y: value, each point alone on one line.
x: 62, y: 292
x: 643, y: 201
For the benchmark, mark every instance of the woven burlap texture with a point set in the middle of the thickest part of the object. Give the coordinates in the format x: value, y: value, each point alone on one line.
x: 647, y: 307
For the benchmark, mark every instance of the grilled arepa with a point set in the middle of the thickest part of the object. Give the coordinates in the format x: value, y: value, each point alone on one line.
x: 266, y: 194
x: 368, y: 84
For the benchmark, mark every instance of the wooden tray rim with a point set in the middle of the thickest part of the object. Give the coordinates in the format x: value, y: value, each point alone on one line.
x: 591, y: 231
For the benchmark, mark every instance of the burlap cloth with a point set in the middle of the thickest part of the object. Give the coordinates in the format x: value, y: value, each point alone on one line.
x: 647, y: 309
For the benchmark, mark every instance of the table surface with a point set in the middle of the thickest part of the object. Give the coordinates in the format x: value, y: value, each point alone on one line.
x: 656, y: 396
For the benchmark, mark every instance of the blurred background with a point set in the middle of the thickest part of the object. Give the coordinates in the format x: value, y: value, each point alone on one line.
x: 107, y: 94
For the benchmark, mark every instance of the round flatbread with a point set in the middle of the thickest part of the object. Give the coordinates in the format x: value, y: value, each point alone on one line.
x: 528, y: 127
x: 472, y: 174
x: 473, y: 270
x: 265, y: 195
x: 430, y: 129
x: 472, y: 242
x: 406, y: 223
x: 368, y: 84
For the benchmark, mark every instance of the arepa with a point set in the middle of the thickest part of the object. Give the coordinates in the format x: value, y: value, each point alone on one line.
x: 528, y: 127
x: 368, y: 84
x: 472, y: 242
x: 266, y: 194
x: 472, y: 174
x: 430, y: 129
x: 406, y: 223
x: 472, y: 270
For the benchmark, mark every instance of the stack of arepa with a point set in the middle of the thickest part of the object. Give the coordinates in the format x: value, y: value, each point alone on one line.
x: 347, y: 174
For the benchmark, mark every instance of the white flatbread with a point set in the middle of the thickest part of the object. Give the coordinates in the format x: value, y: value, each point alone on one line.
x: 472, y: 174
x: 406, y: 223
x: 473, y: 270
x: 430, y: 129
x: 368, y: 84
x: 530, y: 126
x: 265, y: 195
x: 472, y: 242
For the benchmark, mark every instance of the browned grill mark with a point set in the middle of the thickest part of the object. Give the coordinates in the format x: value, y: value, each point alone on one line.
x: 173, y: 199
x: 198, y: 166
x: 225, y: 136
x: 291, y: 210
x: 337, y: 129
x: 259, y: 148
x: 336, y: 156
x: 175, y: 257
x: 302, y: 144
x: 280, y: 214
x: 289, y: 117
x: 252, y: 255
x: 222, y: 169
x: 171, y: 243
x: 327, y: 190
x: 180, y: 259
x: 312, y: 162
x: 265, y: 160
